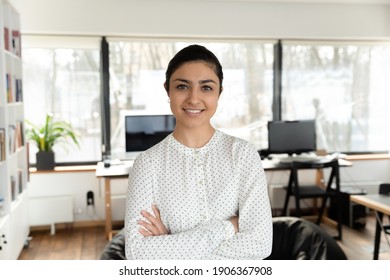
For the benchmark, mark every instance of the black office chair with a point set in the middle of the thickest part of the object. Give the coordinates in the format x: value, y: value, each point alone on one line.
x: 385, y: 190
x: 301, y: 192
x: 293, y: 239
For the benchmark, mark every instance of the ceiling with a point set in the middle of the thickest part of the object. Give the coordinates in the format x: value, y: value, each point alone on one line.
x: 366, y: 2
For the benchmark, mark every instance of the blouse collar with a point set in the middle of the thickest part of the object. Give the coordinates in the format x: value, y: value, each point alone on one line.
x: 202, y: 150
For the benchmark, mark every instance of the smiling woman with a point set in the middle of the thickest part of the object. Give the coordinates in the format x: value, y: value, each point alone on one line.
x: 199, y: 193
x: 193, y: 99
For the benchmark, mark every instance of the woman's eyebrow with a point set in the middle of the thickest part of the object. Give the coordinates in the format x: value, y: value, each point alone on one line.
x: 207, y: 81
x: 200, y: 82
x: 181, y: 80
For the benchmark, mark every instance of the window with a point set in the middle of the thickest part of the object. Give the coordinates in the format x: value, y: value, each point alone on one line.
x: 345, y: 87
x: 137, y: 74
x: 61, y: 76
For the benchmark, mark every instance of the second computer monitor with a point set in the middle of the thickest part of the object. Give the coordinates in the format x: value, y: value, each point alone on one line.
x: 144, y: 131
x: 291, y: 137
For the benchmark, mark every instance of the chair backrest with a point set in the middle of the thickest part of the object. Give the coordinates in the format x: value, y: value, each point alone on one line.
x: 332, y: 164
x: 295, y: 238
x: 315, y: 164
x: 384, y: 188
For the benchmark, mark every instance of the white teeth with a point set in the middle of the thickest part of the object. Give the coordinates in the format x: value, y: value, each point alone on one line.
x: 193, y: 111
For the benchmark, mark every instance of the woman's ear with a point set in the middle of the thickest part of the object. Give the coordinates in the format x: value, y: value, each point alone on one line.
x: 166, y: 88
x: 220, y: 91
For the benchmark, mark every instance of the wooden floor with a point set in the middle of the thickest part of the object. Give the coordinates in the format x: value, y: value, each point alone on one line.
x: 71, y: 243
x: 87, y: 243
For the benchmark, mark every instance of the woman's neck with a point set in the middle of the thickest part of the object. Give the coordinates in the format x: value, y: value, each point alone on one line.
x: 193, y: 138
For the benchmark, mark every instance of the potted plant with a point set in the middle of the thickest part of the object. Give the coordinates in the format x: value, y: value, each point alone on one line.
x: 46, y: 136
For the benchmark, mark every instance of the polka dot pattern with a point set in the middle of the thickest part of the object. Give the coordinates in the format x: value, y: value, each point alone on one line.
x: 197, y: 192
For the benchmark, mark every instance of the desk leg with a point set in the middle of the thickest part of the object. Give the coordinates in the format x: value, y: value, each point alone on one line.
x: 107, y: 187
x: 378, y: 230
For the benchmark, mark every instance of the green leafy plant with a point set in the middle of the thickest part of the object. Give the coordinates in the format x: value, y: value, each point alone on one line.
x: 51, y: 133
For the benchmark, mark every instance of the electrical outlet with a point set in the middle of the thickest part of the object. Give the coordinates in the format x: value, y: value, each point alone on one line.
x: 90, y: 198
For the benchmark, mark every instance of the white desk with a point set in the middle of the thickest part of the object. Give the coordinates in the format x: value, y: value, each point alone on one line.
x: 117, y: 170
x: 379, y: 203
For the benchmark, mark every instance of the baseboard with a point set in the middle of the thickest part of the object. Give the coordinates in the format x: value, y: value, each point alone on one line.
x: 77, y: 224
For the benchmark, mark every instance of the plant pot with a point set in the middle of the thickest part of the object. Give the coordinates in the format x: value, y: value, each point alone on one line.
x: 45, y: 160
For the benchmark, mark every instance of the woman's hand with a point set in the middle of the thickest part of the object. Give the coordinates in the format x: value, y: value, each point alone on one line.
x: 154, y: 225
x: 234, y: 221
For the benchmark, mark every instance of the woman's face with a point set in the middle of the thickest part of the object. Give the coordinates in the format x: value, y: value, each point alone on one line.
x: 194, y: 92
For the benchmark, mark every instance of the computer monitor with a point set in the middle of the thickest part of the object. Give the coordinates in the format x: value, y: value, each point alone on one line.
x: 144, y: 131
x: 291, y: 137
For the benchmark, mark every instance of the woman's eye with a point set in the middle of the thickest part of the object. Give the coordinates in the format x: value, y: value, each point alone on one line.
x: 207, y: 88
x: 181, y: 86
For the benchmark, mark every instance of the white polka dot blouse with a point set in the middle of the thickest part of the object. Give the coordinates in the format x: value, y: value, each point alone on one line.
x: 197, y: 191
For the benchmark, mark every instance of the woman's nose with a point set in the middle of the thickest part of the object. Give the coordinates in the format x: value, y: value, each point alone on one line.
x: 194, y: 96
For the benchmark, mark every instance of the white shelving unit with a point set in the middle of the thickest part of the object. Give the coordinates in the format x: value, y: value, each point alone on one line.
x: 14, y: 228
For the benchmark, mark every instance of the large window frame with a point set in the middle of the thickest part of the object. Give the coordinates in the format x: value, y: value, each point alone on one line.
x: 61, y: 77
x: 106, y: 84
x: 245, y: 105
x: 343, y: 86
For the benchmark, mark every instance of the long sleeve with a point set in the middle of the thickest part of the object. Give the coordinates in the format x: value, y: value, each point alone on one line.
x: 193, y: 243
x: 254, y: 239
x: 197, y: 192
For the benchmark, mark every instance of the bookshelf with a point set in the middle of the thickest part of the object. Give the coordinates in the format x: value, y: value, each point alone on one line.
x: 14, y: 228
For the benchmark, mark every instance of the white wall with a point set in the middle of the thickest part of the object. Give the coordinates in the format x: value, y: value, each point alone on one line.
x: 207, y: 18
x: 76, y: 185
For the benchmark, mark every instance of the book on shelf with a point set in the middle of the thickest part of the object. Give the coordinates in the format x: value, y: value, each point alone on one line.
x: 20, y: 180
x: 8, y: 83
x: 15, y: 32
x: 18, y: 90
x: 19, y: 139
x: 2, y: 144
x: 14, y: 89
x: 16, y: 139
x: 16, y: 43
x: 11, y: 138
x: 13, y: 188
x: 6, y: 38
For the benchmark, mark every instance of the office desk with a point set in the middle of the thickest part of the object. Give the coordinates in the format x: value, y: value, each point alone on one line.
x: 379, y: 203
x: 274, y: 165
x: 120, y: 170
x: 115, y: 171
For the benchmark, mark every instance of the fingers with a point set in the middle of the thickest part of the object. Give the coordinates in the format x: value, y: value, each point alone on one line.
x: 144, y: 232
x: 153, y: 226
x: 149, y: 217
x: 156, y: 211
x: 148, y: 227
x: 160, y: 226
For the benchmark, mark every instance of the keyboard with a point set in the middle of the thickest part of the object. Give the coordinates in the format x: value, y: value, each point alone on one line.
x: 290, y: 159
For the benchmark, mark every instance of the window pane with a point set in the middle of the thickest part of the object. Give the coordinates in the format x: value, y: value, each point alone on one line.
x: 344, y: 87
x: 137, y: 74
x: 66, y: 82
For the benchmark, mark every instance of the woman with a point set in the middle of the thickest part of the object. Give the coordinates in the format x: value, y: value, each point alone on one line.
x: 199, y: 193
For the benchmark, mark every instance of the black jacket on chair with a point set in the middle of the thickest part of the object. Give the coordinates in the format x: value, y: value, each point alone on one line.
x: 298, y: 239
x: 294, y: 239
